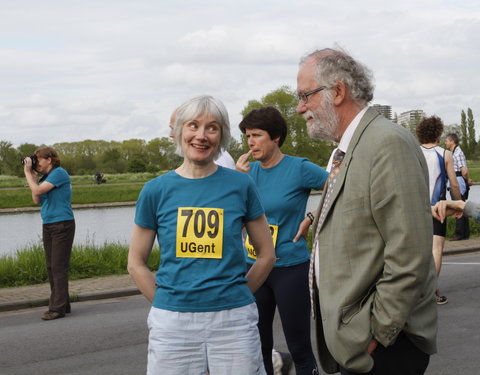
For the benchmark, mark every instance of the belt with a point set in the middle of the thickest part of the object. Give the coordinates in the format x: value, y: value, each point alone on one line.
x: 458, y: 173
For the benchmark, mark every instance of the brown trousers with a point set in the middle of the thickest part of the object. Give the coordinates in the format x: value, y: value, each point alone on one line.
x: 57, y: 241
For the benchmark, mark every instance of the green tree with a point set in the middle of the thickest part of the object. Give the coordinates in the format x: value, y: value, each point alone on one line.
x: 464, y: 133
x: 9, y: 159
x: 158, y: 150
x: 136, y: 164
x: 112, y: 161
x: 235, y: 149
x: 26, y: 149
x: 297, y: 142
x: 472, y: 143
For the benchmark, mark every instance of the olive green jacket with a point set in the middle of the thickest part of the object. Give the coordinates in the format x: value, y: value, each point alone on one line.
x: 376, y: 270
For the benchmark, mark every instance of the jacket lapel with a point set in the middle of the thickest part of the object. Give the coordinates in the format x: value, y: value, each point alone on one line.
x: 367, y: 118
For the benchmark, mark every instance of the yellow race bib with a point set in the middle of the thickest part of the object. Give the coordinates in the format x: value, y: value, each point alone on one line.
x: 199, y: 232
x: 251, y: 251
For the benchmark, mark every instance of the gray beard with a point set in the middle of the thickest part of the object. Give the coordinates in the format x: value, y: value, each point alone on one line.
x: 325, y: 126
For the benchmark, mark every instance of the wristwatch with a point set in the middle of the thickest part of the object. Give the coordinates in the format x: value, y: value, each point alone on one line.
x: 311, y: 217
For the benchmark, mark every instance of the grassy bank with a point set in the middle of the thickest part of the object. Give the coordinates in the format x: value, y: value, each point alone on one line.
x: 119, y: 188
x: 16, y: 182
x: 27, y: 267
x: 17, y: 198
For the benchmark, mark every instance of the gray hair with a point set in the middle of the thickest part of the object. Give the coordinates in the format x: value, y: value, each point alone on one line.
x: 336, y: 65
x: 198, y: 106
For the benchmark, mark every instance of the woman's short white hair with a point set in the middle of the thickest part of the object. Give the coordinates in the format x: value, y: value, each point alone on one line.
x: 199, y: 106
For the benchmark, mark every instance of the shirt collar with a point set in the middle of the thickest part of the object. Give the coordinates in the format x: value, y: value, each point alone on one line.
x: 347, y: 135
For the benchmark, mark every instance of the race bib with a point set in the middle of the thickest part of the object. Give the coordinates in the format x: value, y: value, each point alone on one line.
x: 199, y: 232
x: 251, y: 251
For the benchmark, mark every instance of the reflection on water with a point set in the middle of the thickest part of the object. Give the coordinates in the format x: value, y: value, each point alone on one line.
x: 94, y: 226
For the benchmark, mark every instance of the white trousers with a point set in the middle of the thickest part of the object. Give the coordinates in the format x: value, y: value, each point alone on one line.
x: 223, y: 342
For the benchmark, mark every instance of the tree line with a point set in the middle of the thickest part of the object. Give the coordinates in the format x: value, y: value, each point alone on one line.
x: 138, y: 155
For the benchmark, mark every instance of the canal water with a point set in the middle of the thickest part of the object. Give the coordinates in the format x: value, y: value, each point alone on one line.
x: 94, y: 226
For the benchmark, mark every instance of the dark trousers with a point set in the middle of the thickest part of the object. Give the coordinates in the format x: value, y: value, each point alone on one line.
x: 401, y: 358
x: 287, y: 289
x: 462, y: 228
x: 57, y: 241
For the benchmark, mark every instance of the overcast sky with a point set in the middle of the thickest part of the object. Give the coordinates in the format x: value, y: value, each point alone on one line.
x: 115, y: 69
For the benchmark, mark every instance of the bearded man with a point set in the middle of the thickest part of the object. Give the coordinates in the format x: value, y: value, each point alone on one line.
x: 373, y: 276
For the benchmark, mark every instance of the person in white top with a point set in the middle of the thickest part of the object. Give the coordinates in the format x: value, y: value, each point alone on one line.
x: 440, y: 168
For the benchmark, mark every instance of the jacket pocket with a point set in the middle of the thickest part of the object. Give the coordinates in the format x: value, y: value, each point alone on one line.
x: 349, y: 311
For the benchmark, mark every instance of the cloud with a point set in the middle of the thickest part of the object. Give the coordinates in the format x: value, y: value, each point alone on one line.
x: 116, y: 69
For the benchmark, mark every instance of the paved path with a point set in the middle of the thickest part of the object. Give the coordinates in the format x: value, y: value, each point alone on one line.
x: 122, y: 285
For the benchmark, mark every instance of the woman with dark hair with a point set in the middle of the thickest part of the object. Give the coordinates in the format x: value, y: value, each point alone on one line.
x: 440, y: 169
x: 284, y: 183
x: 54, y: 192
x: 203, y: 313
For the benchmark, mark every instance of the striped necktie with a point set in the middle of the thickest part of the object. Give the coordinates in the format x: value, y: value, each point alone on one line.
x: 335, y: 169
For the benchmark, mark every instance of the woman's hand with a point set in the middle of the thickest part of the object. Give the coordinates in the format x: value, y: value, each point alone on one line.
x: 243, y: 165
x: 141, y: 244
x: 261, y: 239
x: 27, y: 167
x: 303, y: 229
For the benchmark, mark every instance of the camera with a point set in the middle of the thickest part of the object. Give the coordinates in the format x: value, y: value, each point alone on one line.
x: 34, y: 161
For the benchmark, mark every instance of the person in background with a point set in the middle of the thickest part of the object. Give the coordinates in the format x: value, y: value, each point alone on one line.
x: 284, y: 183
x: 54, y: 193
x: 457, y: 208
x: 203, y: 313
x: 440, y: 169
x: 373, y: 276
x: 462, y: 229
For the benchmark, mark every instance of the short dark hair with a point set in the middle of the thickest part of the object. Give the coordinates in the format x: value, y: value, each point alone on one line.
x: 430, y: 129
x: 267, y: 118
x: 48, y: 152
x: 453, y: 137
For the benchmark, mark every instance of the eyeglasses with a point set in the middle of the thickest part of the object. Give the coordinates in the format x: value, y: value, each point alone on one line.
x: 303, y: 96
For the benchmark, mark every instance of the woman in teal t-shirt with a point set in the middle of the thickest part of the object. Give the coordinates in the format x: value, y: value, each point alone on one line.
x: 203, y: 314
x: 284, y: 183
x: 54, y: 193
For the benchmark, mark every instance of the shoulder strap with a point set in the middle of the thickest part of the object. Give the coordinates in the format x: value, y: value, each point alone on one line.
x: 440, y: 189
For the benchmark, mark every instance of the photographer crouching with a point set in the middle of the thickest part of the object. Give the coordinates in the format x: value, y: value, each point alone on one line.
x: 53, y: 191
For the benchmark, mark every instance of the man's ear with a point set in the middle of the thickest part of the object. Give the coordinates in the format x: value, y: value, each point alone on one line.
x: 340, y: 90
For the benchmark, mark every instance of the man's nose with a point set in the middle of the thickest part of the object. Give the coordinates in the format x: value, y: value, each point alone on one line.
x: 301, y: 107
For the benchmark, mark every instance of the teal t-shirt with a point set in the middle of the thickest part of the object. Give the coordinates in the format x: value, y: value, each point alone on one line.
x: 56, y: 203
x: 199, y: 230
x: 284, y: 190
